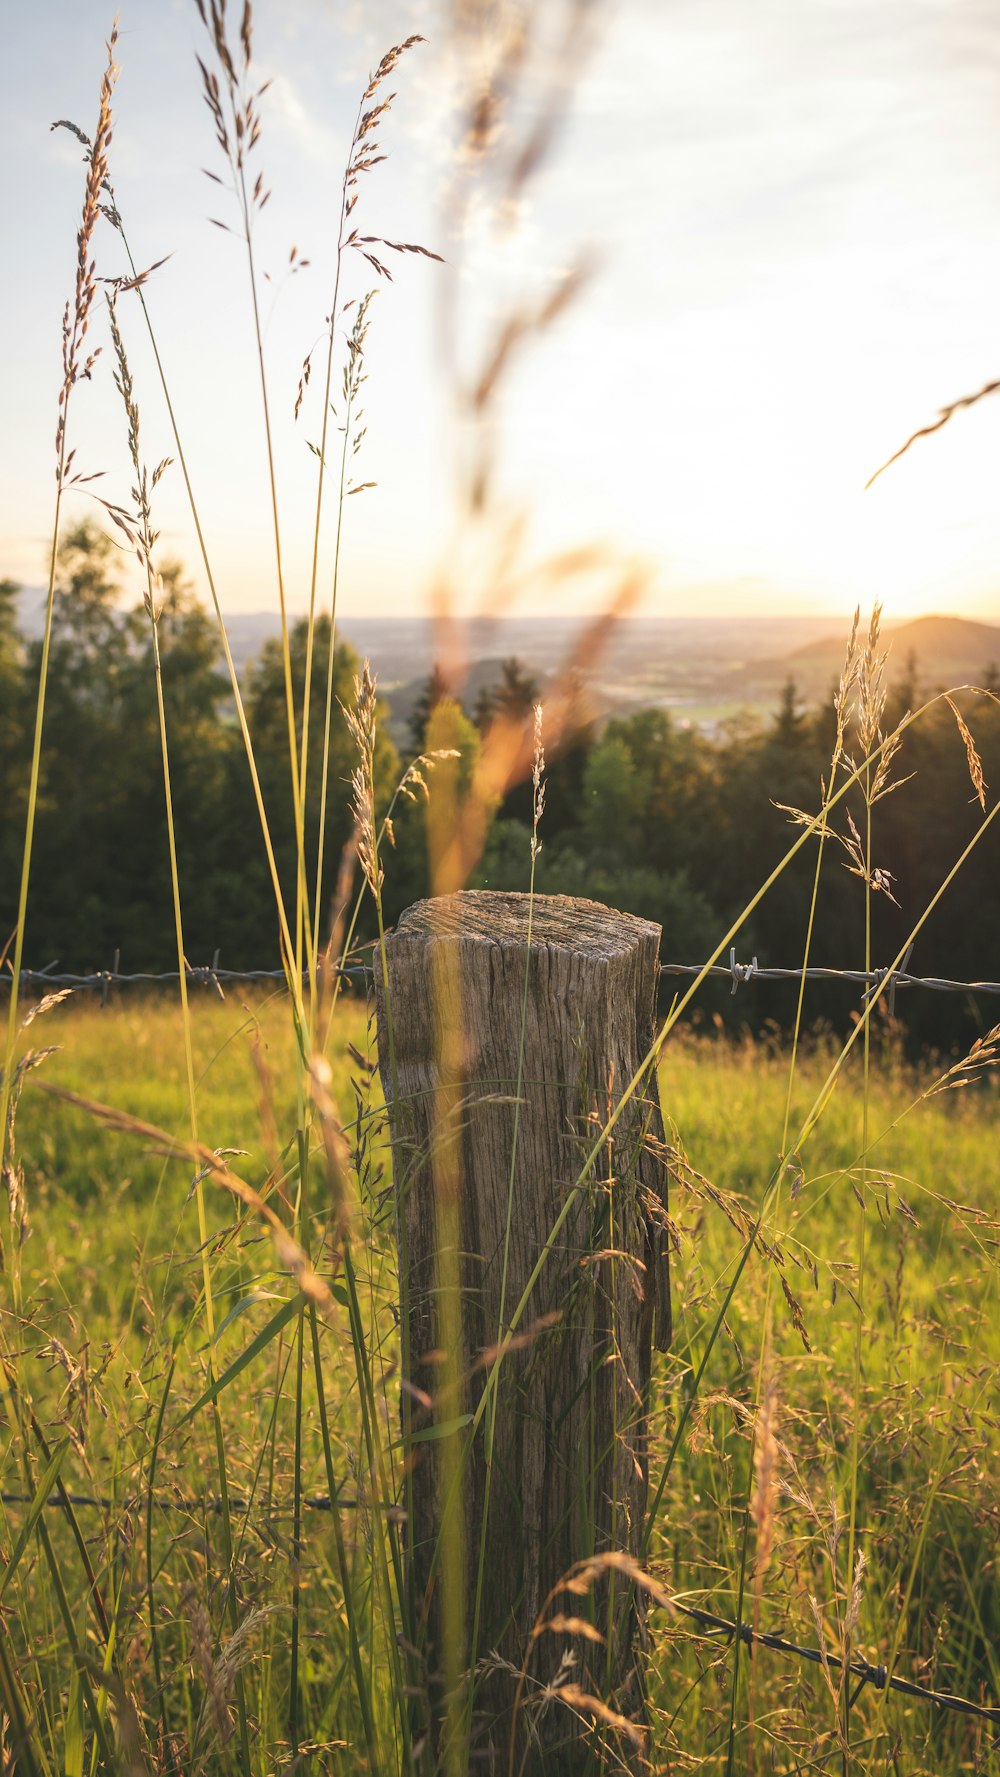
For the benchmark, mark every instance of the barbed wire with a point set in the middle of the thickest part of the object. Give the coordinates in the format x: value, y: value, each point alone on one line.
x: 737, y: 973
x: 858, y: 1666
x: 209, y: 975
x: 316, y: 1502
x: 740, y: 974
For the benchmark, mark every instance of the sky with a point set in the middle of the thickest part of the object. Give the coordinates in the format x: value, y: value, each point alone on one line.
x: 792, y: 215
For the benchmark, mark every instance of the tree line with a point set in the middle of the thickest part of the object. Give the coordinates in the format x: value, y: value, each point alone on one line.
x: 641, y: 812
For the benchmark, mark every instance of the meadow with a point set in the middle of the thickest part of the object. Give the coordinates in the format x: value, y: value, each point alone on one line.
x: 113, y: 1356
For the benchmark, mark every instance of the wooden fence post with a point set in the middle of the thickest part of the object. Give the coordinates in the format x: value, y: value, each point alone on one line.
x: 582, y: 1258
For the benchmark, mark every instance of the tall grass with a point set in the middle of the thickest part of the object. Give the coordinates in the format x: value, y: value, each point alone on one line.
x: 930, y: 1351
x: 139, y: 529
x: 820, y: 1436
x: 77, y: 367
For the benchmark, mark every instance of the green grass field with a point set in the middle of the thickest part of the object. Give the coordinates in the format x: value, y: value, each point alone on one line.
x: 112, y: 1354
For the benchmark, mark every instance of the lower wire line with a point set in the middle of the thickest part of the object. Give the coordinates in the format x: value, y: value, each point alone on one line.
x: 859, y: 1667
x: 865, y: 1672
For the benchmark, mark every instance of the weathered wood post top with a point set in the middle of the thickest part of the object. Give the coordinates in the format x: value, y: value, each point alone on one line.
x: 533, y: 1260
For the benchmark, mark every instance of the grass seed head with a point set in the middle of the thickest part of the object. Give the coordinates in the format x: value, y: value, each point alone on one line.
x: 76, y: 316
x: 857, y: 1592
x: 871, y: 688
x: 984, y: 1053
x: 538, y: 783
x: 362, y: 721
x: 975, y: 763
x: 765, y: 1464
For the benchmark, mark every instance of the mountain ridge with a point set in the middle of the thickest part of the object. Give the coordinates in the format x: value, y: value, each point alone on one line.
x: 941, y: 648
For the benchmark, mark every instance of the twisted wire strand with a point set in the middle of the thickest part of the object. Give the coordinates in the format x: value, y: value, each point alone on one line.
x: 859, y: 1667
x: 737, y: 973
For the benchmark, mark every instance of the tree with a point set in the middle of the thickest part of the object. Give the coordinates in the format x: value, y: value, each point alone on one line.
x: 11, y: 665
x: 435, y: 688
x: 13, y: 732
x: 689, y: 921
x: 79, y: 833
x: 449, y: 809
x: 676, y: 784
x: 88, y: 587
x: 10, y: 635
x: 266, y: 712
x: 514, y: 696
x: 613, y: 796
x: 790, y: 721
x: 204, y: 748
x: 904, y: 692
x: 101, y: 880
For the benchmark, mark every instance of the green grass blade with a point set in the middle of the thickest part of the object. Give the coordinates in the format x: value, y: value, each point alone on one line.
x: 236, y: 1368
x: 34, y: 1512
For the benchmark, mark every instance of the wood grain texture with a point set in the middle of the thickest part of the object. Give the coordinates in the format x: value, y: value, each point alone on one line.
x: 569, y: 1455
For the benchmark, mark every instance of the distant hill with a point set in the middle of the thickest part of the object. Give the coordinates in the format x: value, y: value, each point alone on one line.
x: 701, y: 669
x: 943, y: 650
